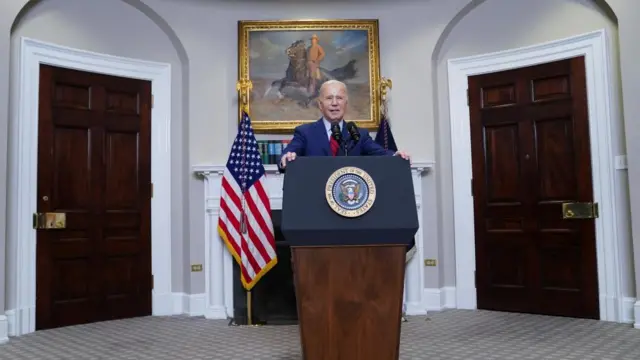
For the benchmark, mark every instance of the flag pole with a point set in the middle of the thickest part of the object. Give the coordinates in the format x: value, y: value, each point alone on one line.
x: 244, y: 87
x: 385, y: 86
x: 249, y: 310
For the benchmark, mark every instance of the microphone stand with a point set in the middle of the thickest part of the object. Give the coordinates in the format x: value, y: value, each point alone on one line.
x: 351, y: 143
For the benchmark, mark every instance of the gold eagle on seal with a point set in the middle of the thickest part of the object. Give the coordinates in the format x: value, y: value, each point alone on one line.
x: 350, y: 191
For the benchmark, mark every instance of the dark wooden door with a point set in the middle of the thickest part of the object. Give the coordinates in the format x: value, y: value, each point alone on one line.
x: 94, y: 165
x: 531, y: 154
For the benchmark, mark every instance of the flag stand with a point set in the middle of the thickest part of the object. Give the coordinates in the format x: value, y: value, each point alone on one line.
x: 249, y: 310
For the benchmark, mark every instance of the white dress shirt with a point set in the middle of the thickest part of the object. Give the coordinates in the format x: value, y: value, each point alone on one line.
x: 327, y: 126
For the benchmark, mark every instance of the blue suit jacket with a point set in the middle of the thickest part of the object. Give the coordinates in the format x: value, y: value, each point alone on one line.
x: 312, y: 140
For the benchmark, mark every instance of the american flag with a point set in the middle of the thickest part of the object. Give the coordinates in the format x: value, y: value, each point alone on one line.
x: 245, y: 212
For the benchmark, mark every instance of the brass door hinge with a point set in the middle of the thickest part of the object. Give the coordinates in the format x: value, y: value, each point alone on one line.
x: 468, y: 101
x: 152, y: 100
x: 151, y: 189
x: 472, y: 187
x: 153, y: 282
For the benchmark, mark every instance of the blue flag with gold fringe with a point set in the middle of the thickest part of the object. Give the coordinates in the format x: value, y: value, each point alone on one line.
x: 384, y: 137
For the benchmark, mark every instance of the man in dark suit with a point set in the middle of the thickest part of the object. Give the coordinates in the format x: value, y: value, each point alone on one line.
x: 314, y: 139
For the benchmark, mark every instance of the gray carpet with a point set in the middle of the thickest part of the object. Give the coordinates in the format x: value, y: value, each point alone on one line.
x: 451, y: 335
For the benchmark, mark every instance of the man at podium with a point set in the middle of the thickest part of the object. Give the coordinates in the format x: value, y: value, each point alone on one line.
x: 348, y: 221
x: 330, y: 136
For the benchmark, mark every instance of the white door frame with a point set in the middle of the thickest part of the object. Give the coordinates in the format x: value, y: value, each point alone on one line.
x: 593, y: 46
x: 24, y: 167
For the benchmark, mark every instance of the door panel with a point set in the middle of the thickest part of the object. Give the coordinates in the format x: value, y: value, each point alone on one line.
x: 530, y: 154
x: 94, y: 164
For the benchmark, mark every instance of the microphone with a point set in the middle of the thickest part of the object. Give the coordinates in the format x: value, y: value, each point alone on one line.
x: 353, y: 131
x: 336, y: 133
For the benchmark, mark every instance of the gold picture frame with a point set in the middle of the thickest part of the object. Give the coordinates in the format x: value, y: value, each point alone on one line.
x: 282, y: 85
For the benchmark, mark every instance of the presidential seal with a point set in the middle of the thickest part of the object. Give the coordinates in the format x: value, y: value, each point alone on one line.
x: 350, y: 191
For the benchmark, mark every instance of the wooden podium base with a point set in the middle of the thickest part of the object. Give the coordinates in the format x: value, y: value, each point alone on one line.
x: 349, y: 301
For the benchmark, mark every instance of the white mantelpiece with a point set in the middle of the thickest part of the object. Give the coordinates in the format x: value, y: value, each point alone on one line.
x: 218, y: 262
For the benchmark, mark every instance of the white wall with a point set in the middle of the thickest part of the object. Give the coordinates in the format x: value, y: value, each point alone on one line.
x: 199, y: 39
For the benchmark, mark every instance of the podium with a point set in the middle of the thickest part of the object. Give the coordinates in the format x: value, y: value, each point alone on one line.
x: 349, y: 220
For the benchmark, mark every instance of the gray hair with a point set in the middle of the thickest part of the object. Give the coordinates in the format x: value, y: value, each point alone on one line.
x: 334, y: 82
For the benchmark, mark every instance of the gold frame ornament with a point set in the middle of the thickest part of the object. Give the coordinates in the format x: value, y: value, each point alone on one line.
x: 376, y: 88
x: 350, y: 172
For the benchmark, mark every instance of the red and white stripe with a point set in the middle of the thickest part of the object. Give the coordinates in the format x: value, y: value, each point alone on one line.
x: 255, y: 249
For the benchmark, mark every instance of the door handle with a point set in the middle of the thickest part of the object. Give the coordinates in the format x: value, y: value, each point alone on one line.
x: 50, y: 220
x: 579, y: 210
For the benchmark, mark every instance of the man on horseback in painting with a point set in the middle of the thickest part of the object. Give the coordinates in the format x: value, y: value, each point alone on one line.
x: 315, y: 54
x: 304, y: 75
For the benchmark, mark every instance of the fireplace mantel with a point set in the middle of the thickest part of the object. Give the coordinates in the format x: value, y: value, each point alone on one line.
x: 218, y: 264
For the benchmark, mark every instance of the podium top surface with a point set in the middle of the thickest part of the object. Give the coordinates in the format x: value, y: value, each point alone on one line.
x: 349, y: 200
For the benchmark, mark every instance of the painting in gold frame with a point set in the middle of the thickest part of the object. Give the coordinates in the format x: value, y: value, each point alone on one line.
x: 282, y: 58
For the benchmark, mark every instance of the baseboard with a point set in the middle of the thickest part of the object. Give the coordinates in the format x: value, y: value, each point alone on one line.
x: 196, y: 305
x: 19, y: 320
x: 15, y: 322
x: 445, y: 298
x: 437, y: 299
x: 189, y: 304
x: 415, y: 308
x: 636, y: 312
x: 626, y: 313
x: 11, y: 322
x: 216, y: 313
x: 4, y: 329
x: 163, y: 304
